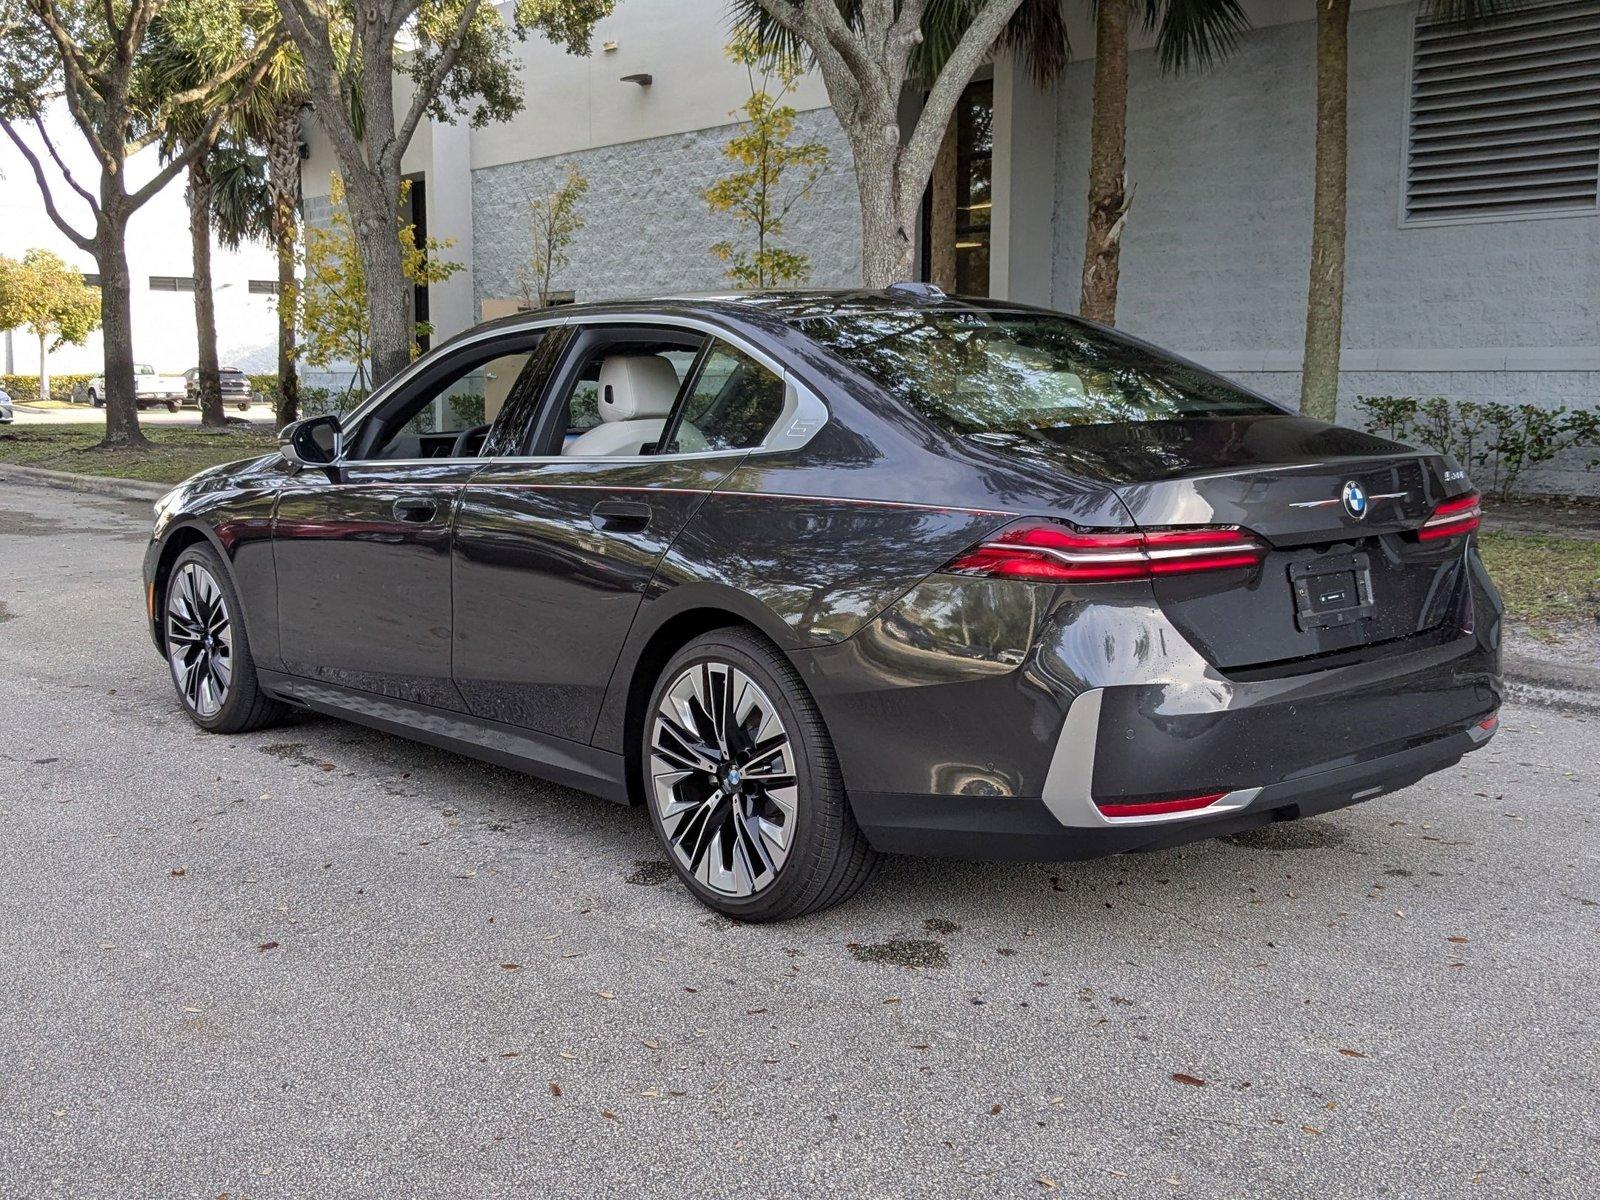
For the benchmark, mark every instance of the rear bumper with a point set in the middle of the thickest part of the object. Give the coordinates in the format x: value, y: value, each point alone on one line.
x: 1032, y: 829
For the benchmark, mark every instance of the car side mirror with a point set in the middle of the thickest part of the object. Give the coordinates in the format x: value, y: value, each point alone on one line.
x: 313, y: 442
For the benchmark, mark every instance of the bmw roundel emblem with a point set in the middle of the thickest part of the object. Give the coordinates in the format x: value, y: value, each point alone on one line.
x: 1354, y: 497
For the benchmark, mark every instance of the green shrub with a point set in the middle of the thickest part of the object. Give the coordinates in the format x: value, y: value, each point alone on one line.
x: 1496, y: 441
x: 24, y: 389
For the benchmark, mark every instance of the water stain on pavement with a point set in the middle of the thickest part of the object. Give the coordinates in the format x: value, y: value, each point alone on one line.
x: 5, y: 612
x: 294, y: 752
x: 940, y: 925
x: 650, y: 872
x: 1289, y: 835
x: 902, y: 952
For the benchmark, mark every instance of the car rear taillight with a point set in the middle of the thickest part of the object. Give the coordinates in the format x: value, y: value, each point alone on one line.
x: 1049, y: 552
x: 1452, y: 518
x: 1158, y: 808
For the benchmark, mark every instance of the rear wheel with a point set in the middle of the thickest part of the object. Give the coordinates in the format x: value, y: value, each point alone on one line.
x: 207, y: 649
x: 743, y: 784
x: 94, y: 398
x: 172, y: 406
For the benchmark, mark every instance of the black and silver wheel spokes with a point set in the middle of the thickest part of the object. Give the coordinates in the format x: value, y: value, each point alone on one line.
x: 722, y: 771
x: 199, y: 639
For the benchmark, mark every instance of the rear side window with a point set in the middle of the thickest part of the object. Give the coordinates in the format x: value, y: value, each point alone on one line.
x: 733, y: 405
x: 978, y: 372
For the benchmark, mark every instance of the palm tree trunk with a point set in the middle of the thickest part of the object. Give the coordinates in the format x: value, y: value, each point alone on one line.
x: 205, y: 306
x: 283, y: 179
x: 1319, y: 377
x: 1108, y: 164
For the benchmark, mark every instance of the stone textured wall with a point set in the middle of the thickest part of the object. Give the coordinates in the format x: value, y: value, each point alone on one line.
x: 647, y: 228
x: 1217, y: 246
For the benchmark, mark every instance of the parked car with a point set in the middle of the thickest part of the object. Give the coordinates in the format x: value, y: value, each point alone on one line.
x: 149, y: 387
x: 235, y: 388
x: 817, y: 576
x: 7, y: 414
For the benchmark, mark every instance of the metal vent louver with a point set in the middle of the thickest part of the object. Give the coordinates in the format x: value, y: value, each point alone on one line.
x: 1505, y: 114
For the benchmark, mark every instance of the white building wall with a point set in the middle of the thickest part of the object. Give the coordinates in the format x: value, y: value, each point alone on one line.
x: 158, y: 244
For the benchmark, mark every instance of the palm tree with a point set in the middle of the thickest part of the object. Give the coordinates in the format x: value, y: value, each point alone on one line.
x: 271, y: 119
x: 1319, y: 372
x: 1189, y: 33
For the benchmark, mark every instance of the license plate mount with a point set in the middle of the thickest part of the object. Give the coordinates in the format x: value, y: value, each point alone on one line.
x: 1332, y: 591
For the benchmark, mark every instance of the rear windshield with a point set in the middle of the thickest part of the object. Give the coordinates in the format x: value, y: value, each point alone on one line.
x: 978, y: 372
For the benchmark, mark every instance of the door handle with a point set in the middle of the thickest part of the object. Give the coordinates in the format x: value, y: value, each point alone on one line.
x: 620, y: 516
x: 415, y: 510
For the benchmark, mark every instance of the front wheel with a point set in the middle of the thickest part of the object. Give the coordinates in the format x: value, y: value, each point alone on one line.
x: 743, y: 784
x: 207, y: 649
x: 172, y: 406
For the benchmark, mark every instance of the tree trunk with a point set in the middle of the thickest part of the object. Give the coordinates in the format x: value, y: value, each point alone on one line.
x: 44, y: 367
x: 209, y: 382
x: 116, y: 328
x: 283, y: 178
x: 942, y: 214
x: 885, y: 241
x: 1108, y: 164
x: 373, y: 215
x: 1319, y: 376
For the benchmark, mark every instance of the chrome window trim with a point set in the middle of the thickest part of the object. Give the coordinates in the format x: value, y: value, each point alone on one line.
x: 804, y: 412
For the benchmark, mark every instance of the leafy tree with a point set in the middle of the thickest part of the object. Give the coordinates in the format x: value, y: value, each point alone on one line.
x: 947, y: 34
x: 335, y: 312
x: 1319, y: 372
x: 95, y: 56
x: 867, y: 51
x: 764, y: 149
x: 48, y: 298
x: 454, y: 55
x: 553, y: 221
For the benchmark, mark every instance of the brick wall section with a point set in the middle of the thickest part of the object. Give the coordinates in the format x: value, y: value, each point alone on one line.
x: 647, y: 229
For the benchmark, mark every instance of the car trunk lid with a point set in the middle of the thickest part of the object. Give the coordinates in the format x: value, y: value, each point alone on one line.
x: 1338, y: 509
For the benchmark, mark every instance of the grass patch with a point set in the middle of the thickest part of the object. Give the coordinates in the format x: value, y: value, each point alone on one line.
x: 1544, y: 579
x: 174, y: 455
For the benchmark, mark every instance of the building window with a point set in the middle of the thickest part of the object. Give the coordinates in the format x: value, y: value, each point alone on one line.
x: 974, y: 197
x: 91, y: 280
x: 263, y: 287
x: 1504, y: 114
x: 172, y: 283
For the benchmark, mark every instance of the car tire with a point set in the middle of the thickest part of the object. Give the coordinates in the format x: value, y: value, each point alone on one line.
x: 172, y: 406
x: 822, y: 858
x: 244, y: 406
x: 208, y: 649
x: 94, y: 399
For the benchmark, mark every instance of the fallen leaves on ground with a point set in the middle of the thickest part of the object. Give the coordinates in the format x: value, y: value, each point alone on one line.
x: 1191, y: 1080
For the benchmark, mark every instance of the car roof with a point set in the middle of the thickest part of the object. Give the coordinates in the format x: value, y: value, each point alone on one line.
x: 787, y: 306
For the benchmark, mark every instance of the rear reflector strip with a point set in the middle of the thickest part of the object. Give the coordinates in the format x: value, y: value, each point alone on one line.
x: 1490, y: 723
x: 1157, y: 808
x: 1452, y: 518
x: 1049, y: 552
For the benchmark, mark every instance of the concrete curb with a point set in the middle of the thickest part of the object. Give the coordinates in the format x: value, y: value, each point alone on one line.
x: 99, y: 485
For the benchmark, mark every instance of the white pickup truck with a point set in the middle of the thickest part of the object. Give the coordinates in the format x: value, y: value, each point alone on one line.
x: 149, y: 387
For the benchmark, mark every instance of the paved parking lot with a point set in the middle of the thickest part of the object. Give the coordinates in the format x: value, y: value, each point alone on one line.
x: 319, y: 961
x: 259, y: 412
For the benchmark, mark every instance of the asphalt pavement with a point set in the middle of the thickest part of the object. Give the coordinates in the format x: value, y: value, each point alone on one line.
x: 320, y: 961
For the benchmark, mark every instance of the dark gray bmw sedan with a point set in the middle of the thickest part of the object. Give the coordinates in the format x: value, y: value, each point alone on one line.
x: 818, y: 576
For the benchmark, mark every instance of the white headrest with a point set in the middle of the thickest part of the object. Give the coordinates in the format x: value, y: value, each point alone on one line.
x: 636, y: 386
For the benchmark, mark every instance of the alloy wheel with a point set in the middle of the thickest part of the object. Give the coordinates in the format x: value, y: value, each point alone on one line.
x: 722, y: 770
x: 199, y: 639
